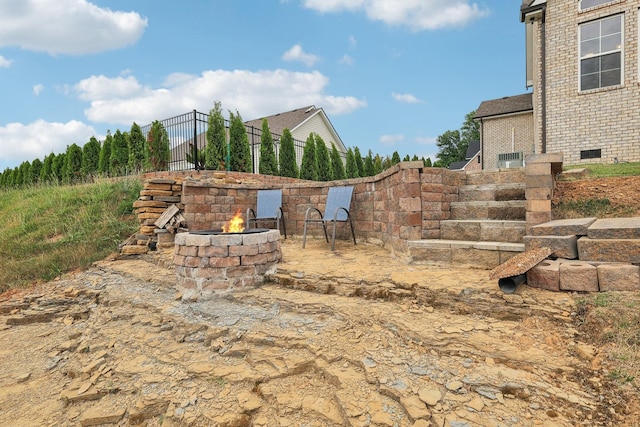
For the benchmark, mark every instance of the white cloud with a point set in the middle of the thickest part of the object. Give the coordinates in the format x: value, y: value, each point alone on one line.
x: 346, y: 60
x: 406, y: 98
x: 4, y: 62
x: 426, y: 140
x: 37, y: 89
x: 418, y: 15
x: 96, y: 88
x: 72, y: 27
x: 296, y: 53
x: 20, y: 142
x: 391, y: 139
x: 352, y: 42
x: 428, y: 147
x: 123, y: 100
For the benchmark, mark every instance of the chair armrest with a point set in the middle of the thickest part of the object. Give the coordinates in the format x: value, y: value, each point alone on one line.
x: 306, y: 214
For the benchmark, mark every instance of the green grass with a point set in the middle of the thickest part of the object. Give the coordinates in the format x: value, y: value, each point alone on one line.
x: 50, y: 230
x: 599, y: 170
x: 612, y: 321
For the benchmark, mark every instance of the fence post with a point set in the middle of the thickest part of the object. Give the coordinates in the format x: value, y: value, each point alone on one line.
x: 195, y: 140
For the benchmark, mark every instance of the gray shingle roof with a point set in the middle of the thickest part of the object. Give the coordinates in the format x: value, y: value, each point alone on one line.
x: 472, y: 149
x: 289, y: 119
x: 506, y: 105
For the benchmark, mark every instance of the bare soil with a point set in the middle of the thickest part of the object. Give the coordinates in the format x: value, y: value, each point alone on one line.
x: 623, y: 193
x: 352, y: 337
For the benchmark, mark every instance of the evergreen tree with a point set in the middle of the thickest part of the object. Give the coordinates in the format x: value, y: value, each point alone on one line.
x: 325, y: 171
x: 406, y: 158
x: 352, y: 167
x: 137, y: 149
x: 36, y: 168
x: 216, y: 149
x: 309, y: 167
x: 337, y: 167
x: 104, y: 160
x: 17, y: 177
x: 377, y: 165
x: 119, y: 154
x: 57, y: 167
x: 268, y: 163
x: 287, y: 155
x: 72, y: 168
x: 90, y: 157
x: 24, y: 171
x: 158, y: 147
x: 359, y: 162
x: 395, y: 158
x: 239, y: 148
x: 427, y: 162
x: 415, y: 158
x: 4, y: 178
x: 368, y: 164
x: 47, y: 168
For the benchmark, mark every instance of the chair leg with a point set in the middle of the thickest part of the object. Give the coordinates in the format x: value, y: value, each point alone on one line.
x: 284, y: 227
x: 352, y: 232
x: 333, y: 237
x: 304, y: 234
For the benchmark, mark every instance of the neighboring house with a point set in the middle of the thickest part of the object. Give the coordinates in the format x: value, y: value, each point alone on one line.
x: 506, y: 131
x: 472, y: 159
x: 582, y: 63
x: 300, y: 122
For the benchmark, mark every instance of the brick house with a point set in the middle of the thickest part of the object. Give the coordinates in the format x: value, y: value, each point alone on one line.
x: 506, y: 131
x: 472, y: 160
x: 582, y: 63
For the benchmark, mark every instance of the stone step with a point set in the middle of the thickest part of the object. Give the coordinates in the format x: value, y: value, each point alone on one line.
x: 496, y: 210
x: 497, y: 176
x: 609, y: 250
x: 483, y: 230
x: 615, y: 228
x: 473, y: 254
x: 491, y: 192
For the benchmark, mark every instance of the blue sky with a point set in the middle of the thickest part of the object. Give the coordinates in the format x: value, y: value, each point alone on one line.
x: 391, y: 75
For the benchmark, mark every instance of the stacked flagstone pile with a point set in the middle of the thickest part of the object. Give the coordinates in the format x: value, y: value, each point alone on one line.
x: 159, y: 201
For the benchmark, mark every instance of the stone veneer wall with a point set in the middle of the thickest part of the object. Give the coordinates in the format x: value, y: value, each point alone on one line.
x: 405, y: 202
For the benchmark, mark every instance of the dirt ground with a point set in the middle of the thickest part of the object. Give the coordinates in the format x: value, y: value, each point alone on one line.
x: 354, y: 337
x: 622, y: 192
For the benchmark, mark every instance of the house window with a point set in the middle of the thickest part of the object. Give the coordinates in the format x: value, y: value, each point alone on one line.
x: 601, y: 53
x: 590, y: 154
x: 586, y: 4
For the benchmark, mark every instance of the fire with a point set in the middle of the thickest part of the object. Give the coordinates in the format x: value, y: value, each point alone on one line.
x: 235, y: 224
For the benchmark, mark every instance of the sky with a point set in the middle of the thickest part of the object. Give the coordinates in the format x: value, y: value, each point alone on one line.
x: 391, y: 75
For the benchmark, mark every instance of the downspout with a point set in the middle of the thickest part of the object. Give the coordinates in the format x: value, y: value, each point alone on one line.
x: 543, y: 78
x: 482, y: 153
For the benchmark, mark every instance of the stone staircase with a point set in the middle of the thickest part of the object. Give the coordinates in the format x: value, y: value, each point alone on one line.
x: 486, y: 225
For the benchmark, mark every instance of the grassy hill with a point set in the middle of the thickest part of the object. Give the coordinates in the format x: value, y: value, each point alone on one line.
x: 49, y: 230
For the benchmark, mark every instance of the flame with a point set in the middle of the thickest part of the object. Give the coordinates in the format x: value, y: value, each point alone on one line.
x: 234, y: 225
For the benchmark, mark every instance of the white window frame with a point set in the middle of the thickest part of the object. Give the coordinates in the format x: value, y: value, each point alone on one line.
x: 595, y: 4
x: 600, y: 54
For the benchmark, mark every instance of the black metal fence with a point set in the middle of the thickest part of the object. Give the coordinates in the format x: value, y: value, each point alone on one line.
x: 187, y: 134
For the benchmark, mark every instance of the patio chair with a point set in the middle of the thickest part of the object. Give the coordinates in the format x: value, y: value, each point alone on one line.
x: 268, y: 209
x: 336, y: 210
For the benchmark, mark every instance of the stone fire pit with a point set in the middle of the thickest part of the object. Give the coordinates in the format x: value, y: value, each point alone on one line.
x: 211, y: 262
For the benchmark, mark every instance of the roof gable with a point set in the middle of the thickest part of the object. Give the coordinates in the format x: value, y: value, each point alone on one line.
x: 289, y: 119
x: 295, y: 119
x: 506, y: 105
